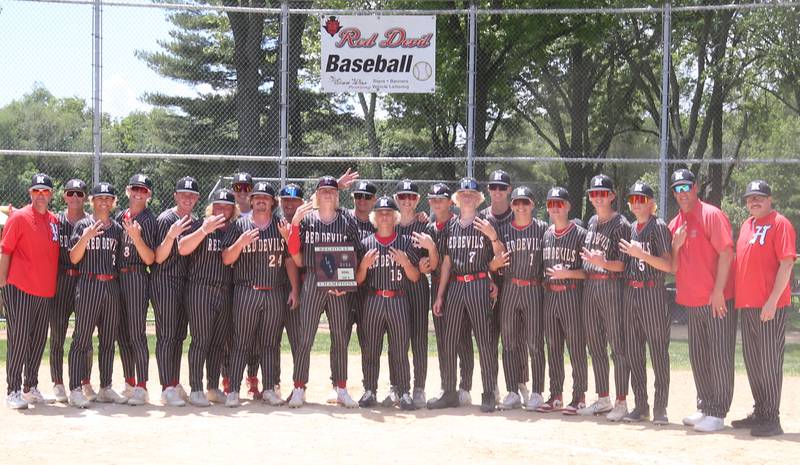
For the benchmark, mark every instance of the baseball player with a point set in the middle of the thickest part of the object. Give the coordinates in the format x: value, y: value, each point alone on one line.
x: 441, y: 204
x: 765, y: 254
x: 242, y: 185
x: 388, y: 264
x: 328, y: 224
x: 521, y: 299
x: 364, y: 198
x: 64, y: 303
x: 28, y: 270
x: 167, y: 283
x: 702, y: 254
x: 561, y: 252
x: 290, y: 198
x: 464, y: 293
x: 602, y: 305
x: 266, y: 284
x: 138, y: 243
x: 209, y: 296
x: 96, y: 242
x: 647, y: 259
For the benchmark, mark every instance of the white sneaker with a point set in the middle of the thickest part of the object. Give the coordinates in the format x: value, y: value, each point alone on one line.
x: 215, y: 396
x: 88, y: 392
x: 710, y: 424
x: 271, y: 397
x: 110, y: 396
x: 619, y: 411
x: 232, y: 399
x: 33, y: 396
x: 693, y: 419
x: 127, y: 392
x: 343, y: 398
x: 139, y: 396
x: 436, y: 397
x: 77, y: 398
x: 524, y: 393
x: 511, y: 402
x: 599, y: 407
x: 182, y: 392
x: 15, y: 401
x: 419, y: 398
x: 536, y: 400
x: 198, y: 399
x: 278, y: 391
x: 464, y: 397
x: 298, y: 398
x: 171, y: 398
x: 392, y: 399
x: 60, y: 393
x: 333, y: 396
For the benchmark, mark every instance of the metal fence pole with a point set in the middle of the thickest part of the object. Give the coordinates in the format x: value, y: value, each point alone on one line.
x: 473, y: 20
x: 665, y: 64
x: 284, y: 131
x: 97, y: 76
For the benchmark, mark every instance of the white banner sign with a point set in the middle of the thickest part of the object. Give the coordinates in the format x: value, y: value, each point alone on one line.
x: 378, y: 54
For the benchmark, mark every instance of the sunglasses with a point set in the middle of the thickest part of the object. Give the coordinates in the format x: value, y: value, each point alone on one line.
x: 40, y: 191
x: 516, y: 202
x: 78, y: 194
x: 599, y: 194
x: 555, y: 204
x: 139, y: 189
x: 498, y: 187
x: 638, y: 199
x: 362, y: 196
x: 407, y: 196
x: 683, y: 188
x: 242, y: 188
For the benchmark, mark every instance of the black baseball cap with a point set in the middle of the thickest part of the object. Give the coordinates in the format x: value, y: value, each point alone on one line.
x: 187, y: 184
x: 365, y: 187
x: 327, y: 182
x: 41, y: 181
x: 439, y: 191
x: 681, y: 177
x: 641, y: 188
x: 406, y: 186
x: 468, y: 184
x: 75, y: 185
x: 262, y: 188
x: 558, y: 193
x: 601, y: 182
x: 225, y: 196
x: 243, y: 178
x: 499, y: 177
x: 141, y: 180
x: 291, y: 191
x: 522, y: 192
x: 758, y: 187
x: 386, y: 203
x: 103, y: 189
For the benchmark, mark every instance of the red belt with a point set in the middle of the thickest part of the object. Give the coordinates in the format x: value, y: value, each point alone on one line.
x: 561, y: 287
x: 641, y: 284
x: 71, y: 272
x: 601, y: 276
x: 525, y: 282
x: 262, y: 288
x: 101, y: 277
x: 466, y: 278
x: 132, y: 269
x: 388, y: 293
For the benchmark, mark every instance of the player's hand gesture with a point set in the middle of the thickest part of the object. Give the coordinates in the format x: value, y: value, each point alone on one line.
x: 212, y: 223
x: 500, y: 261
x: 94, y: 230
x: 284, y: 227
x: 595, y: 257
x: 632, y: 248
x: 294, y: 300
x: 485, y: 228
x: 438, y: 307
x: 679, y: 238
x: 422, y: 217
x: 400, y: 257
x: 249, y: 236
x: 179, y: 227
x: 369, y: 258
x: 425, y: 265
x: 132, y: 228
x: 301, y: 212
x: 347, y: 179
x: 423, y: 241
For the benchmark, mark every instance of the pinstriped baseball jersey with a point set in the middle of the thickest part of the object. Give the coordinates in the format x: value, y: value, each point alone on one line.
x: 469, y: 250
x: 175, y: 264
x: 261, y: 262
x: 605, y: 237
x: 385, y: 273
x: 497, y: 220
x: 65, y: 229
x: 147, y: 220
x: 314, y: 231
x: 414, y: 227
x: 563, y: 249
x: 205, y: 263
x: 655, y: 239
x: 525, y: 249
x: 365, y: 228
x: 102, y: 251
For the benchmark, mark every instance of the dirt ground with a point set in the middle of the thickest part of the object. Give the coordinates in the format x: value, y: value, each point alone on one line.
x: 316, y: 433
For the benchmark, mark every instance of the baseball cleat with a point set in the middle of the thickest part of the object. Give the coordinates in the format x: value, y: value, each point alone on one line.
x: 368, y: 400
x: 271, y: 397
x: 127, y: 392
x: 182, y: 392
x: 524, y: 393
x: 171, y: 398
x: 752, y: 420
x: 139, y: 396
x: 419, y: 397
x: 232, y: 399
x: 60, y: 393
x: 391, y: 399
x: 298, y: 398
x: 511, y: 402
x: 598, y: 407
x: 343, y: 398
x: 534, y: 402
x: 577, y: 404
x: 407, y: 403
x: 15, y: 401
x: 446, y: 400
x: 333, y: 396
x: 488, y: 402
x: 639, y: 413
x: 660, y: 417
x: 198, y: 399
x: 710, y: 424
x: 78, y: 399
x: 464, y: 397
x: 33, y: 396
x: 215, y: 396
x: 619, y: 411
x: 107, y: 395
x: 553, y: 404
x: 767, y: 428
x: 693, y: 419
x: 88, y: 392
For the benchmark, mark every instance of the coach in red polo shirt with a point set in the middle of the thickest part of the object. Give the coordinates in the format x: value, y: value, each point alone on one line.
x: 765, y: 254
x: 28, y: 266
x: 702, y: 254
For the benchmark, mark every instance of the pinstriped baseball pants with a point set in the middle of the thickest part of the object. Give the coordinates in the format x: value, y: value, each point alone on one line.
x: 26, y: 330
x: 464, y: 351
x: 522, y: 328
x: 209, y: 310
x: 604, y: 324
x: 647, y: 321
x: 63, y: 306
x: 133, y: 350
x: 419, y: 299
x: 763, y: 344
x: 390, y: 316
x: 563, y: 322
x: 171, y: 325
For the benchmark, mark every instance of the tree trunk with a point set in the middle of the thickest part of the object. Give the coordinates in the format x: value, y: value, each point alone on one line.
x: 372, y: 137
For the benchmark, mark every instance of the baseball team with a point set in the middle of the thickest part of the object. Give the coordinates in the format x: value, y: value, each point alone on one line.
x: 253, y: 267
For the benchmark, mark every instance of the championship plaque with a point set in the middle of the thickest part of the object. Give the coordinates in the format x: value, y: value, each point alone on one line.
x: 335, y: 266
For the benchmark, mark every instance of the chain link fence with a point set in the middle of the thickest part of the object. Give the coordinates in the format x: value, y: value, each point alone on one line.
x: 553, y: 96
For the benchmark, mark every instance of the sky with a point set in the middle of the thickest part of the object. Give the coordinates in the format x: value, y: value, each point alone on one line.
x: 51, y: 44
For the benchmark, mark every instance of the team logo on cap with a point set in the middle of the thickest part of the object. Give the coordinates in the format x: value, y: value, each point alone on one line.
x: 638, y: 186
x: 406, y: 184
x: 222, y: 195
x: 598, y: 182
x: 679, y: 175
x: 103, y: 187
x: 362, y: 185
x: 187, y: 184
x: 755, y: 186
x: 242, y: 177
x: 262, y: 186
x: 141, y: 178
x: 40, y: 179
x: 498, y: 176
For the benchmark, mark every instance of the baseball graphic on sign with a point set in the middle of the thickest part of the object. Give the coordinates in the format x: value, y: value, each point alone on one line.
x: 422, y: 71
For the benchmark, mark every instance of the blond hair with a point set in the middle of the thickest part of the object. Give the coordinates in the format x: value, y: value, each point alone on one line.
x: 653, y: 206
x: 210, y: 207
x: 457, y: 202
x: 315, y: 202
x: 372, y: 218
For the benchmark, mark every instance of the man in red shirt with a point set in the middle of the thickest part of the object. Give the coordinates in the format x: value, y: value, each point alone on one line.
x: 28, y: 266
x: 702, y: 254
x: 765, y: 254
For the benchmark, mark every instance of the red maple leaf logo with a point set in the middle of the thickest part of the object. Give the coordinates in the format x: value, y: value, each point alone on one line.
x: 332, y: 25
